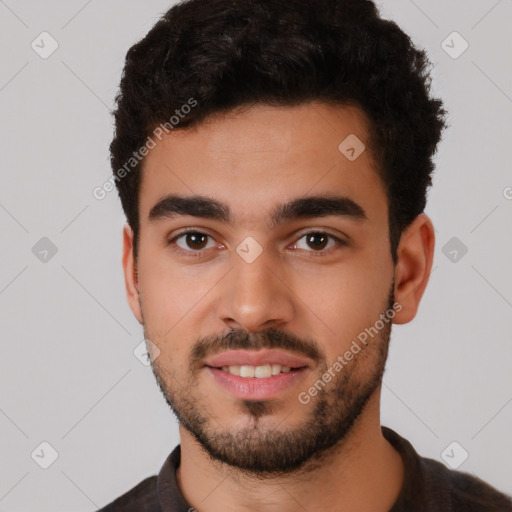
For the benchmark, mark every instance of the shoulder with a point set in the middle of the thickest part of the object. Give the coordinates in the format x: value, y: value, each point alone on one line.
x: 429, y: 486
x: 464, y: 492
x: 141, y: 498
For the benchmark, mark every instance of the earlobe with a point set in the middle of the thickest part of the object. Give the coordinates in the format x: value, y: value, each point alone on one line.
x: 130, y: 273
x: 412, y: 271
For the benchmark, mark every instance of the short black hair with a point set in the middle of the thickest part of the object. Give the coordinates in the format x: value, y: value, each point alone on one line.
x: 218, y: 55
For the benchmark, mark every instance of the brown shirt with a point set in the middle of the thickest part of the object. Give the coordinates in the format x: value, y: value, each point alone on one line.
x: 428, y: 486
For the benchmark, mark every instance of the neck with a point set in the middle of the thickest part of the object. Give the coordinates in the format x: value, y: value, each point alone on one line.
x: 363, y: 472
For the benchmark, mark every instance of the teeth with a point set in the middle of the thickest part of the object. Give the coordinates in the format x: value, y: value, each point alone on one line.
x: 276, y: 369
x: 260, y: 372
x: 246, y: 371
x: 235, y: 370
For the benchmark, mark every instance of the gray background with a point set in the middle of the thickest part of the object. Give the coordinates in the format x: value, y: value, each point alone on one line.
x: 68, y: 375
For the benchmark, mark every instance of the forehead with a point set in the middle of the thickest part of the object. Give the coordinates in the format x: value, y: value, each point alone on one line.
x: 258, y: 156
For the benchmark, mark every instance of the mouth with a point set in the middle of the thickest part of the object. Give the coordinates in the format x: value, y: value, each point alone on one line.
x: 259, y: 372
x: 260, y: 375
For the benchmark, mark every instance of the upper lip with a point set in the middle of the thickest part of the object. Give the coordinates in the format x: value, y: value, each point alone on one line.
x: 257, y: 358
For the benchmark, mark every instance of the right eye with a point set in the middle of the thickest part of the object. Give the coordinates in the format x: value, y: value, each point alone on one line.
x: 192, y: 242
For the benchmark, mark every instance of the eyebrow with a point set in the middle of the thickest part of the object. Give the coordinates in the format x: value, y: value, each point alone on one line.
x: 174, y: 205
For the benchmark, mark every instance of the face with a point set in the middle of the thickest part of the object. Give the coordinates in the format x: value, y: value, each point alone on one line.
x: 252, y: 290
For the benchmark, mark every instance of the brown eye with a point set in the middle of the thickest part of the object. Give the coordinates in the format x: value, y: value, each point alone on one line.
x: 196, y: 240
x: 317, y: 240
x: 193, y: 241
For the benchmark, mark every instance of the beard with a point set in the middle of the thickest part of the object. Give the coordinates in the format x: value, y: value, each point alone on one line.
x: 262, y: 451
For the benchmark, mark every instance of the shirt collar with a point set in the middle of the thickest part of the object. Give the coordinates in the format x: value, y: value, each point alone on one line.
x: 169, y: 494
x: 172, y: 500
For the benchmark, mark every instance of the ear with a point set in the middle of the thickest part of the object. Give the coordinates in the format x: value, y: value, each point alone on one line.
x: 412, y: 271
x: 130, y: 273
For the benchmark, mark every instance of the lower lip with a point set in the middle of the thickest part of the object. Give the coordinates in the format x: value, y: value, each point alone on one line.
x: 253, y: 388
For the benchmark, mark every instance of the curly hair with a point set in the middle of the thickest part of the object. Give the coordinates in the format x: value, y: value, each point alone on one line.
x: 231, y: 53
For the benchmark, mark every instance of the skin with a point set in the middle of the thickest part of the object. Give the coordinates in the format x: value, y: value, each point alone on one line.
x: 253, y: 159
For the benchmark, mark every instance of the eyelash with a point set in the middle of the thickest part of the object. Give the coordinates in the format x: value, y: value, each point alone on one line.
x: 199, y: 253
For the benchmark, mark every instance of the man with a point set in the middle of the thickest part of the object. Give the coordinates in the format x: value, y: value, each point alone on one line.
x: 272, y: 159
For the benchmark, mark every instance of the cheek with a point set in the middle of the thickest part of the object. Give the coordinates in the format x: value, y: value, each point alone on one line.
x: 175, y: 300
x: 160, y: 302
x: 165, y: 308
x: 347, y: 300
x: 166, y: 291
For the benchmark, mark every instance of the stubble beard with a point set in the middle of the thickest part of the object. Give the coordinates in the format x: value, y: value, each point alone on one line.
x: 257, y: 450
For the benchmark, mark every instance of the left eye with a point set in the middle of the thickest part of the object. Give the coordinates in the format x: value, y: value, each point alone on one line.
x: 318, y: 241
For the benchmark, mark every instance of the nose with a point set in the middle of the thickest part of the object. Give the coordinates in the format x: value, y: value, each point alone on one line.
x: 255, y: 296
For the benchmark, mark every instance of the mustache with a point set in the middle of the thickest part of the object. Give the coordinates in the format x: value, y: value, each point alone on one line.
x: 239, y: 339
